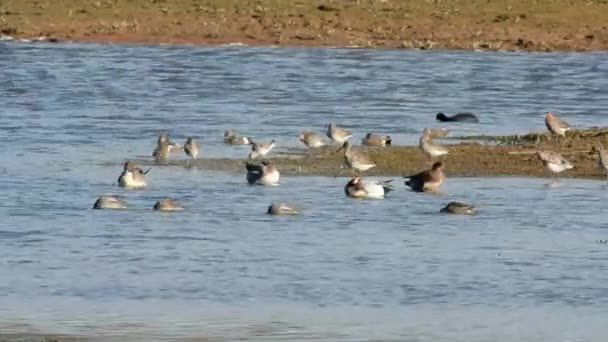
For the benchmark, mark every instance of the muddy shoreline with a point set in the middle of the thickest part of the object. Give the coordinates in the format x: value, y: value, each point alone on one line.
x: 460, y: 24
x: 475, y: 156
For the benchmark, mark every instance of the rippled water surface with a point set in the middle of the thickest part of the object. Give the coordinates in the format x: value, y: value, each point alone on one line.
x: 532, y: 266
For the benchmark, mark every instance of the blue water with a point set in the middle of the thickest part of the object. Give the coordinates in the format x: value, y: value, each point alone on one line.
x: 530, y: 267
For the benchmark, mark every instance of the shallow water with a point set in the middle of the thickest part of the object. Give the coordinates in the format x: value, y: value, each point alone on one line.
x: 530, y: 267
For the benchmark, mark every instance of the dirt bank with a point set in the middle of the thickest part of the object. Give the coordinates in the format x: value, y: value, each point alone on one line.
x: 482, y: 156
x: 456, y: 24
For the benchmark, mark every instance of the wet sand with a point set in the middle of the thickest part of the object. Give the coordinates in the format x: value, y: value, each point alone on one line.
x: 577, y: 25
x: 473, y: 156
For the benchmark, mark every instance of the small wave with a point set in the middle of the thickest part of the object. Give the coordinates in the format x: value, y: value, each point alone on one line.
x: 9, y: 234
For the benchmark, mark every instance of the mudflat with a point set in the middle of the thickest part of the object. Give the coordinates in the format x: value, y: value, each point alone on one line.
x: 474, y: 156
x: 426, y: 24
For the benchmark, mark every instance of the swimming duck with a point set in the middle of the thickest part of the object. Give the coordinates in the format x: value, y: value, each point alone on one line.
x: 460, y: 117
x: 109, y: 202
x: 132, y: 176
x: 459, y: 208
x: 358, y: 188
x: 428, y: 180
x: 281, y: 209
x: 167, y: 204
x: 263, y: 174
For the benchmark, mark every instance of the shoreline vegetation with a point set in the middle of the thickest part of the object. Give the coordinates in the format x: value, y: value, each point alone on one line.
x: 473, y: 156
x: 516, y: 25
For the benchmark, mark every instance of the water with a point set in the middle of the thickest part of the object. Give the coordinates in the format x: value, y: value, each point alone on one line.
x: 530, y: 267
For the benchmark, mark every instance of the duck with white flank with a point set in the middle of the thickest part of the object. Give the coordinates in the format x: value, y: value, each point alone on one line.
x: 263, y: 174
x: 357, y: 188
x: 132, y: 176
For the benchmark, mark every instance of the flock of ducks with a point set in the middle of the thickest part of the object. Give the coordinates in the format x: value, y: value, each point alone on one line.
x: 267, y: 174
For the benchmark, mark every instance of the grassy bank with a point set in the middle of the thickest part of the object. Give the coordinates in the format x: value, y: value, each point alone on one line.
x: 456, y: 24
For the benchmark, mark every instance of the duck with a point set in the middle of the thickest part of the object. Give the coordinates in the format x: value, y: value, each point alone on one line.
x: 375, y: 140
x: 460, y: 117
x: 167, y: 204
x: 264, y: 173
x: 357, y: 188
x: 428, y: 180
x: 132, y: 176
x: 354, y: 159
x: 311, y: 139
x: 109, y: 202
x: 261, y: 150
x: 459, y: 208
x: 337, y: 134
x: 281, y: 209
